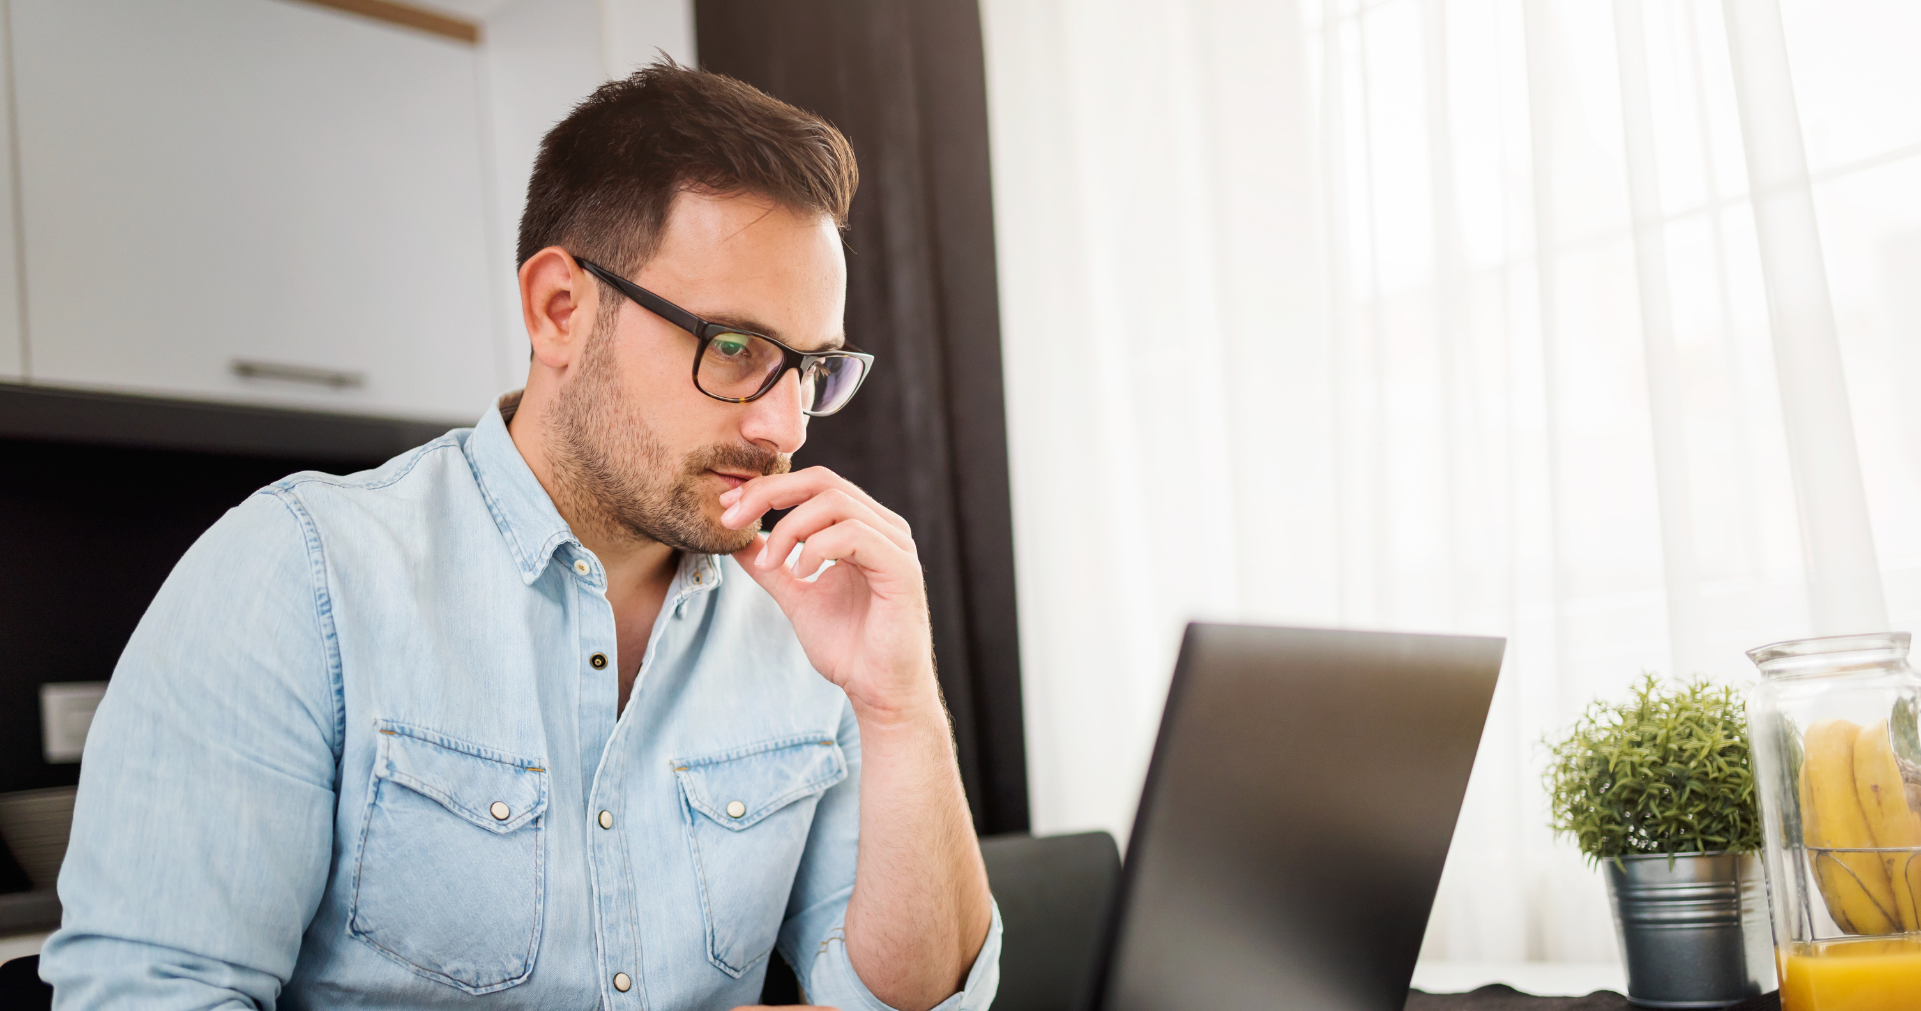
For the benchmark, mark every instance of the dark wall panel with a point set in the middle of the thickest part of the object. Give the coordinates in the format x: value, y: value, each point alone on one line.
x: 100, y: 495
x: 927, y: 436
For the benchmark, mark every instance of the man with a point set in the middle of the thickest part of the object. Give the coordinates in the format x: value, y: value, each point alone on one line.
x: 533, y: 716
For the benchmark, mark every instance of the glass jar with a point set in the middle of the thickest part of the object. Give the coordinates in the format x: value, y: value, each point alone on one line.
x: 1837, y: 763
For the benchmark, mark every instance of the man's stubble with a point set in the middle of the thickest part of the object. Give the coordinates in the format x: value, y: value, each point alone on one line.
x: 615, y: 473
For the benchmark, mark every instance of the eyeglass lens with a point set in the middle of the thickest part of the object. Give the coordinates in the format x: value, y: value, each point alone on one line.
x: 736, y: 365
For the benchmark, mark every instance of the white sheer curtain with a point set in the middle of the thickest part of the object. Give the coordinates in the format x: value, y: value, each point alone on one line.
x: 1589, y: 324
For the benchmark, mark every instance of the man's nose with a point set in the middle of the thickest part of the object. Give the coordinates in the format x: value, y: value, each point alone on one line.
x: 776, y: 420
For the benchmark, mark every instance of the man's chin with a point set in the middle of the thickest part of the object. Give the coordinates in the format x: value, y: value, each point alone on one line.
x: 716, y: 540
x: 736, y: 540
x: 690, y: 524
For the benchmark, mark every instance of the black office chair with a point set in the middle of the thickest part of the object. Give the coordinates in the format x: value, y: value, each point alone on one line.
x: 1054, y: 893
x: 20, y: 986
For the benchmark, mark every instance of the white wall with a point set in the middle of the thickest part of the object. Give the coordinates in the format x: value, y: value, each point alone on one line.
x: 13, y: 348
x: 632, y: 30
x: 540, y: 57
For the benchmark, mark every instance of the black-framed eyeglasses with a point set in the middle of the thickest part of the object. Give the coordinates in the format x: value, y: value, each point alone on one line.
x: 738, y: 365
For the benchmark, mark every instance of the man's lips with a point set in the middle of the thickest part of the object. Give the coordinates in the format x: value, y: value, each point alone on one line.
x: 733, y: 480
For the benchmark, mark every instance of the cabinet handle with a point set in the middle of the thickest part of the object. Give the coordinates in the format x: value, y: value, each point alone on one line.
x: 339, y: 379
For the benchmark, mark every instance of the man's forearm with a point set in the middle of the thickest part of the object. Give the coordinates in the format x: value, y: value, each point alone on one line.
x: 921, y: 907
x: 920, y: 911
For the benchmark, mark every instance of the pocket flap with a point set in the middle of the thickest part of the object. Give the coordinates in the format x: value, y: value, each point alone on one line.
x: 466, y: 779
x: 759, y: 779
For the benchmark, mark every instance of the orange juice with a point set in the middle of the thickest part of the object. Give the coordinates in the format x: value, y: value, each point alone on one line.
x: 1866, y: 975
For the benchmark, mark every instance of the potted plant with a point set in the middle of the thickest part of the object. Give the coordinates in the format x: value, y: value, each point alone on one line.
x: 1660, y: 790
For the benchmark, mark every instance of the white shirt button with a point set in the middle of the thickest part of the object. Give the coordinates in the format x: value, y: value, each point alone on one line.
x: 581, y: 566
x: 606, y: 819
x: 697, y: 578
x: 735, y: 809
x: 622, y: 982
x: 499, y: 811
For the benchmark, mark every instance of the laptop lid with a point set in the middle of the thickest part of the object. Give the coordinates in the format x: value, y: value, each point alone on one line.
x: 1297, y: 812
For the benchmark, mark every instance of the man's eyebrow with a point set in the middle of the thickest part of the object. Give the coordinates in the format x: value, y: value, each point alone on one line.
x: 752, y: 325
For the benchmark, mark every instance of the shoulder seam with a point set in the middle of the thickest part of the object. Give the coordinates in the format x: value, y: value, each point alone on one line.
x: 323, y: 605
x: 414, y: 456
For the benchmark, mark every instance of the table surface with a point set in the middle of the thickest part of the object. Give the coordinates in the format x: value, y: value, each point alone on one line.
x: 1492, y: 997
x: 1501, y: 997
x: 1549, y: 979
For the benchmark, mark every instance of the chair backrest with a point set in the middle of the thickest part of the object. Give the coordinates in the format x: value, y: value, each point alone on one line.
x: 1055, y: 893
x: 20, y: 986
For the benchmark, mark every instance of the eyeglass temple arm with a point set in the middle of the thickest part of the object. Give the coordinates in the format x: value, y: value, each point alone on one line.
x: 648, y: 300
x: 694, y: 324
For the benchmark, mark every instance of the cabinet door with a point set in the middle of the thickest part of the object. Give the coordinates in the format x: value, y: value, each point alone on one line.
x: 254, y: 200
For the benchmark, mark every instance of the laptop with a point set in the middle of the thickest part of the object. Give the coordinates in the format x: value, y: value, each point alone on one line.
x: 1297, y: 812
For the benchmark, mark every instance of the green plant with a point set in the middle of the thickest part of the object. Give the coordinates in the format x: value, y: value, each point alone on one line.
x: 1665, y: 772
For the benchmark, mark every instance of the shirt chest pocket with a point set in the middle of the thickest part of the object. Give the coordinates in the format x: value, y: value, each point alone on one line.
x: 748, y: 812
x: 448, y: 878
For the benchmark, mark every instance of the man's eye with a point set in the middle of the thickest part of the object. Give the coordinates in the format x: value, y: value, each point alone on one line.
x: 728, y: 347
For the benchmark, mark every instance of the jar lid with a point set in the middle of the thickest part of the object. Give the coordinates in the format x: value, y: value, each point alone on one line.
x: 1830, y: 653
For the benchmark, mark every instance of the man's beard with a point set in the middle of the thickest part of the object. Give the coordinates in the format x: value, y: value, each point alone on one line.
x: 615, y: 472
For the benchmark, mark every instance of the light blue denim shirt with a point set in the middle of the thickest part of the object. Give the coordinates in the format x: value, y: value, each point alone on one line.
x: 363, y: 752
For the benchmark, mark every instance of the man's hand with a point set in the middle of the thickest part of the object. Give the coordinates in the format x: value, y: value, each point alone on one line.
x: 920, y: 911
x: 864, y: 622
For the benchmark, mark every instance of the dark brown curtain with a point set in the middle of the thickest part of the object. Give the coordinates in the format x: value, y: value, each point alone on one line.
x: 905, y: 81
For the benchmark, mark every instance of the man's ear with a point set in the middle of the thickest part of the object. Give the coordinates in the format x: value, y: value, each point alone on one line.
x: 558, y: 301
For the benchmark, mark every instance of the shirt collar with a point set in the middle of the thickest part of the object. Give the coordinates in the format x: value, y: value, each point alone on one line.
x: 521, y: 508
x: 698, y: 574
x: 534, y: 529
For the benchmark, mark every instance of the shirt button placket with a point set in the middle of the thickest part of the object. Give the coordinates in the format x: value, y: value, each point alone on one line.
x: 606, y: 850
x: 611, y: 899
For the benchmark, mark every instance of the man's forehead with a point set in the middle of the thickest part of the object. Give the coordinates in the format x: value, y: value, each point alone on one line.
x: 724, y: 220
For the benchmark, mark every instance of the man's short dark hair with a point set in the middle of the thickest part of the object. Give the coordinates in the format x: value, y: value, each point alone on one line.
x: 608, y: 173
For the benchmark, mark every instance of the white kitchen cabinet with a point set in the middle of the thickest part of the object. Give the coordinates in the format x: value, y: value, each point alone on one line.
x: 255, y: 200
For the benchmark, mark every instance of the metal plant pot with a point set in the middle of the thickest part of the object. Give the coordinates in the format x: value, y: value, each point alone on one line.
x: 1694, y: 928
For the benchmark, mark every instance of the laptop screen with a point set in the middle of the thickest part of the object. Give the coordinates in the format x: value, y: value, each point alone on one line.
x: 1297, y: 813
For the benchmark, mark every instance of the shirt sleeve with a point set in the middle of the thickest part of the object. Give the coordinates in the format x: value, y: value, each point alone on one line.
x: 813, y: 936
x: 835, y: 984
x: 203, y: 828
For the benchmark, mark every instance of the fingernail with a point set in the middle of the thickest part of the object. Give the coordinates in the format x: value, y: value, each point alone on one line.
x: 730, y: 496
x: 760, y: 560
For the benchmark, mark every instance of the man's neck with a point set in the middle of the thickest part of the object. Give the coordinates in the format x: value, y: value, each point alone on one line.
x: 634, y: 563
x: 639, y: 569
x: 630, y: 558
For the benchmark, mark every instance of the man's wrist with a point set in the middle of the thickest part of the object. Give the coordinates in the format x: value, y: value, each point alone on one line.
x: 911, y: 713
